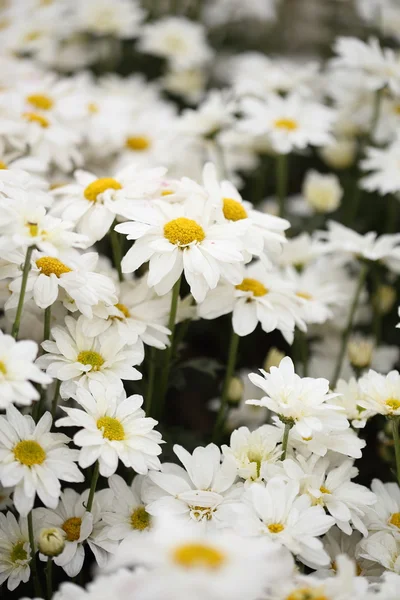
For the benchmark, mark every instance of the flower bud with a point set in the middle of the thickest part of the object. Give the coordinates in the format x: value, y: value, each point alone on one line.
x: 340, y: 154
x: 235, y: 390
x: 323, y: 193
x: 384, y: 299
x: 273, y: 358
x: 51, y: 541
x: 360, y: 351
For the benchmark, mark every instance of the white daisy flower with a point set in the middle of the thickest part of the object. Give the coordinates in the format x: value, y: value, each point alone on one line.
x: 34, y: 460
x: 128, y: 512
x: 75, y: 358
x: 385, y: 514
x: 184, y: 559
x: 17, y: 368
x: 260, y: 297
x: 112, y: 427
x: 202, y: 491
x: 302, y: 401
x: 384, y: 548
x: 322, y: 192
x: 382, y: 163
x: 78, y: 525
x: 254, y: 450
x: 176, y: 239
x: 15, y: 551
x: 381, y: 393
x: 277, y: 512
x: 290, y: 123
x: 349, y: 398
x: 91, y: 202
x: 74, y: 274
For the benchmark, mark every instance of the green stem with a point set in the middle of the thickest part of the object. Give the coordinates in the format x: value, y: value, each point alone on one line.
x: 116, y: 250
x: 347, y: 331
x: 168, y: 352
x: 396, y: 440
x: 25, y: 273
x: 376, y: 113
x: 47, y: 323
x: 281, y: 181
x: 49, y: 578
x: 36, y: 583
x: 55, y: 399
x: 285, y: 439
x: 230, y: 368
x: 150, y: 381
x: 93, y: 484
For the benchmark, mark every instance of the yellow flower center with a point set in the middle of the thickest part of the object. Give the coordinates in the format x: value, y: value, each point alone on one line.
x: 183, y: 232
x: 166, y: 193
x: 276, y: 527
x: 286, y: 124
x: 3, y: 368
x: 29, y: 453
x: 192, y: 556
x: 140, y: 519
x: 35, y: 118
x: 18, y: 552
x: 40, y: 101
x: 33, y: 229
x: 252, y: 285
x: 324, y: 490
x: 393, y: 403
x: 112, y: 428
x: 93, y: 108
x: 72, y: 528
x: 304, y: 295
x: 52, y: 266
x: 94, y: 189
x: 3, y: 165
x: 307, y: 594
x: 233, y: 210
x: 89, y: 357
x: 395, y: 520
x: 137, y: 143
x: 124, y: 309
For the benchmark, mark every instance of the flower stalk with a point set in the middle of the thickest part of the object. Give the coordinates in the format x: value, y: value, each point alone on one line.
x: 25, y: 273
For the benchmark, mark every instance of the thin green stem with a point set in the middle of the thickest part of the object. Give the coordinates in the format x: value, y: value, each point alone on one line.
x: 230, y: 368
x: 347, y: 331
x: 168, y: 352
x: 116, y: 250
x: 47, y: 323
x: 49, y: 578
x: 25, y: 273
x: 375, y: 113
x: 281, y: 181
x: 285, y: 439
x: 55, y: 399
x: 396, y: 440
x: 93, y: 484
x: 36, y: 583
x: 150, y: 380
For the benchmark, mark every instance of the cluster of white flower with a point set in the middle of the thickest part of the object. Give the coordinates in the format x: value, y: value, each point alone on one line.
x: 221, y: 196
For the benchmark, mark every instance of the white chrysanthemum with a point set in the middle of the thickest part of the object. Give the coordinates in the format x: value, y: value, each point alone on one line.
x: 181, y: 41
x: 330, y: 486
x: 187, y: 561
x: 385, y: 514
x: 383, y: 164
x: 16, y: 369
x: 349, y: 398
x: 381, y: 393
x: 262, y: 296
x: 34, y: 460
x: 278, y: 512
x: 79, y: 526
x: 300, y: 251
x: 112, y: 427
x: 74, y: 274
x: 75, y: 358
x: 384, y: 548
x: 91, y: 202
x: 201, y: 492
x: 302, y: 401
x: 176, y: 239
x: 254, y: 450
x: 128, y: 512
x: 323, y: 192
x: 15, y: 551
x: 290, y: 123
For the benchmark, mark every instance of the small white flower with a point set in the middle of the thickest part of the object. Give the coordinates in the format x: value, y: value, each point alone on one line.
x: 15, y: 551
x: 381, y: 393
x: 323, y: 193
x: 385, y: 514
x: 112, y: 428
x: 34, y: 460
x: 128, y: 512
x: 383, y: 164
x: 383, y: 548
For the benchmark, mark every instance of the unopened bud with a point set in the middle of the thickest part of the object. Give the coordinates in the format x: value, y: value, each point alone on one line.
x: 51, y: 541
x: 273, y: 358
x: 322, y: 192
x: 384, y: 299
x: 235, y: 390
x: 340, y: 154
x: 359, y: 352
